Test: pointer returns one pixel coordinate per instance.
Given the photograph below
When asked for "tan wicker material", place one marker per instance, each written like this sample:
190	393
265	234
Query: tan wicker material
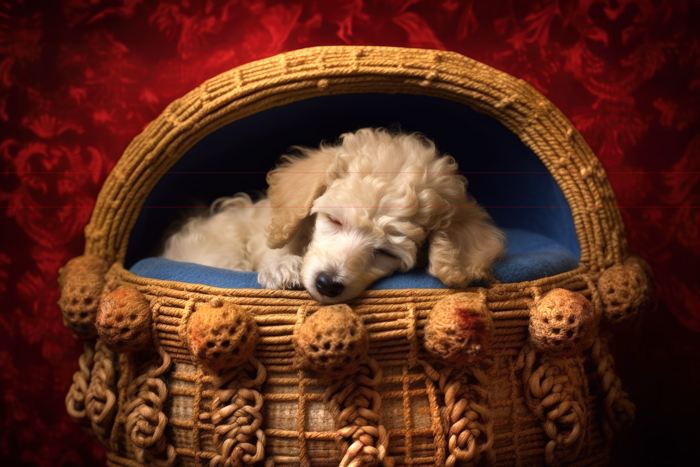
516	406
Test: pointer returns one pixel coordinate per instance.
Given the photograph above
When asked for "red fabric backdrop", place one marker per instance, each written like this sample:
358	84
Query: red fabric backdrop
80	78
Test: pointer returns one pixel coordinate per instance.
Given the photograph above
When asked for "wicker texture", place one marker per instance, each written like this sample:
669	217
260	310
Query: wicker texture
299	422
514	405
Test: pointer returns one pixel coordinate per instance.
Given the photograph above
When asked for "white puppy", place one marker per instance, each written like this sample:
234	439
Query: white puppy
340	217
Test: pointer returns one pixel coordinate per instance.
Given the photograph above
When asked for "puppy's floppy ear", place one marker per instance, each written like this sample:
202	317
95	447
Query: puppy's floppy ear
294	185
465	245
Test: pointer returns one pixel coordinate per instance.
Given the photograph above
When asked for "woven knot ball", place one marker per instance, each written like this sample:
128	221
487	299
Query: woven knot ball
124	320
639	262
221	334
459	329
625	292
80	297
333	341
563	322
82	265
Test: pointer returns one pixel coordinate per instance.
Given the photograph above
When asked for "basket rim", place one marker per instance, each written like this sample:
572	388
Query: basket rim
326	70
495	291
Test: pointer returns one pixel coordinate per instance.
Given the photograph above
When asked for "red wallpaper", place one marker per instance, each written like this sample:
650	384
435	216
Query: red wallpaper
80	78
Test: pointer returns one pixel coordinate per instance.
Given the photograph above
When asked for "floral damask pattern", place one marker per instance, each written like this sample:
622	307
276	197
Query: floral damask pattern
80	78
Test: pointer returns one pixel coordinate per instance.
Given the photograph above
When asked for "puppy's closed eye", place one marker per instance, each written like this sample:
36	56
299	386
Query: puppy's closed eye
334	221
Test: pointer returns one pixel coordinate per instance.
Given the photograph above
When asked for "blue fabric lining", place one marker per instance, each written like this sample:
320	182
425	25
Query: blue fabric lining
530	256
504	175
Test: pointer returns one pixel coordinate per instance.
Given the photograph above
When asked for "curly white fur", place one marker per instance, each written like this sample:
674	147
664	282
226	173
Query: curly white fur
340	217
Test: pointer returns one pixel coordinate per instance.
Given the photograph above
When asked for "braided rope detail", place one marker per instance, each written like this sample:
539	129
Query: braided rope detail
618	409
354	404
100	400
466	415
75	398
236	411
552	393
146	421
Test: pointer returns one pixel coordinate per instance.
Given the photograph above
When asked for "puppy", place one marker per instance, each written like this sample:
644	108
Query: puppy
340	217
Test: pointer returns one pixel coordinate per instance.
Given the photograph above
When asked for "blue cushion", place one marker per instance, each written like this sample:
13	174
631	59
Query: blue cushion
530	256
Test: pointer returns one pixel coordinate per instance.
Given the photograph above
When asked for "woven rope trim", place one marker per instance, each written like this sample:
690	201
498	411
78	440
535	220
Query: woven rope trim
77	393
236	413
553	392
146	422
618	410
466	415
100	400
354	404
397	315
319	71
394	321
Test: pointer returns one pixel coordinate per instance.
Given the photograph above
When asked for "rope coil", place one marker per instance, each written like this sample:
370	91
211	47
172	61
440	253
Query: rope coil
465	415
354	403
75	398
100	400
236	411
146	421
618	410
552	392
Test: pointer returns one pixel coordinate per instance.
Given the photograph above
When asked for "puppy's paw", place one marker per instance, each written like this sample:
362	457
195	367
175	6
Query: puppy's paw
477	273
461	278
283	273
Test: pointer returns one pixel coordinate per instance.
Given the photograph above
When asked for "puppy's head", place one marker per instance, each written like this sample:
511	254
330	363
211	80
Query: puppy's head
375	200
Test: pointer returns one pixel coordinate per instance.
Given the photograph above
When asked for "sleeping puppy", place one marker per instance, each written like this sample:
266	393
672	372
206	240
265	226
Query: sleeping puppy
340	217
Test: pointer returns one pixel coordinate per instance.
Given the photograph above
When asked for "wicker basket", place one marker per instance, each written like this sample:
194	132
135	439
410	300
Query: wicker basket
531	400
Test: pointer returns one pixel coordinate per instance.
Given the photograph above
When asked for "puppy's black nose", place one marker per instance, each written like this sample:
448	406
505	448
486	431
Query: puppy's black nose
328	286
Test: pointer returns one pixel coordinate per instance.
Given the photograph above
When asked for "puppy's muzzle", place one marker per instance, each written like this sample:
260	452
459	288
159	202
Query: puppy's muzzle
327	286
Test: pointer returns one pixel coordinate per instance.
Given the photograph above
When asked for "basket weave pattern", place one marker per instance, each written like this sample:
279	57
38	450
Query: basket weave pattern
519	406
410	398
